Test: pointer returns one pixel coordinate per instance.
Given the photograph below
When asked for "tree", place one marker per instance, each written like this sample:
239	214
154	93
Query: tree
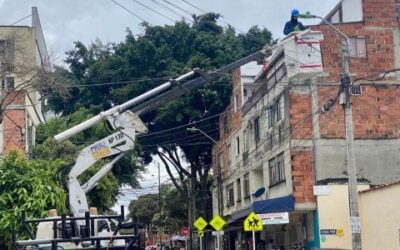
29	187
140	63
143	210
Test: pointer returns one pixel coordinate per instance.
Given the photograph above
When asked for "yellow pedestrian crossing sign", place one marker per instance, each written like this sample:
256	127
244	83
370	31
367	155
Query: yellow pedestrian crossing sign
253	223
217	222
200	223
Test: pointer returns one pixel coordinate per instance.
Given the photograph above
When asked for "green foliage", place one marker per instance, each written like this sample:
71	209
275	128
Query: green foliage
140	63
26	186
173	205
104	195
144	208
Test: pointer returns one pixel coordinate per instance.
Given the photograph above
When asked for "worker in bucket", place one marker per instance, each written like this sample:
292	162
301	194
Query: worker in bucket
293	24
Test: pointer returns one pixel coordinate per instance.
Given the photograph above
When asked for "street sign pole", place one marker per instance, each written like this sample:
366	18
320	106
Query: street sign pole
217	242
201	243
254	240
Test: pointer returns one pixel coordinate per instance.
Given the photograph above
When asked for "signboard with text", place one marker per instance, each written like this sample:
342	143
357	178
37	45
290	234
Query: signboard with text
274	218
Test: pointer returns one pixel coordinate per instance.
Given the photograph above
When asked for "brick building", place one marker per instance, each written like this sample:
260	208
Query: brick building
280	140
22	52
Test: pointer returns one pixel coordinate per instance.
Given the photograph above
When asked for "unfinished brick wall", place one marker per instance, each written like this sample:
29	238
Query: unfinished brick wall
234	120
14	121
300	115
380	20
331	124
302	162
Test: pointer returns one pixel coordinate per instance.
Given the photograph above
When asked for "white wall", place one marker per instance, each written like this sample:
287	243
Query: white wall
380	218
352	10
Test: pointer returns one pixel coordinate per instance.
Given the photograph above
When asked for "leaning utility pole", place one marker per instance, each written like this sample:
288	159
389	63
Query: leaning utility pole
345	101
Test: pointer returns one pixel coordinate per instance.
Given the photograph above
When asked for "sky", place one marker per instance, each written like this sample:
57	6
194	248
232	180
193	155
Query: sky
66	21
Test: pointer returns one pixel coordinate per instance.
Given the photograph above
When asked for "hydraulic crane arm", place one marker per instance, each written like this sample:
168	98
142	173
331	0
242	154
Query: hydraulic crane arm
127	125
193	84
160	95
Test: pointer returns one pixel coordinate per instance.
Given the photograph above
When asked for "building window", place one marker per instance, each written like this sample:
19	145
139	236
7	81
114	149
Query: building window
276	112
220	165
358	47
229	195
280	109
7	83
226	124
257	132
246	186
271	116
246	140
237	145
239	190
7	54
235	103
229	154
244	92
398	11
276	170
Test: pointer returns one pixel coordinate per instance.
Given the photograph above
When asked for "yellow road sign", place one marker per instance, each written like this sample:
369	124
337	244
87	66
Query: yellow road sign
253	223
217	222
200	234
200	223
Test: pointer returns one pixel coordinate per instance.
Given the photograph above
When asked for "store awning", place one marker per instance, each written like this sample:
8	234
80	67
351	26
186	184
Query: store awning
276	205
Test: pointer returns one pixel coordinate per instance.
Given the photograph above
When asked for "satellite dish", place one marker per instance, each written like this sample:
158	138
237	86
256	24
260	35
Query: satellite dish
259	192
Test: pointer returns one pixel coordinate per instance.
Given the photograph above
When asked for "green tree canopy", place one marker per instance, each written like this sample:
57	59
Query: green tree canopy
26	187
105	75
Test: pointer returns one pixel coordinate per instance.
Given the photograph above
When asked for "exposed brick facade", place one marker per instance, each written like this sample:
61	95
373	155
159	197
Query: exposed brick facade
234	122
300	116
376	112
14	122
302	161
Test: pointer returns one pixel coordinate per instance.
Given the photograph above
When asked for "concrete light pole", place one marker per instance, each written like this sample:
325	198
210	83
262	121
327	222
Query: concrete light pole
345	101
219	174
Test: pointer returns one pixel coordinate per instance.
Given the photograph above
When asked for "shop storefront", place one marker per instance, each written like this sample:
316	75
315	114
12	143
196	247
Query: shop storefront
283	227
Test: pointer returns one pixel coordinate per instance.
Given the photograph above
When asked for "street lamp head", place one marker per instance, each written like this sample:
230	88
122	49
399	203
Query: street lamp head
307	15
192	129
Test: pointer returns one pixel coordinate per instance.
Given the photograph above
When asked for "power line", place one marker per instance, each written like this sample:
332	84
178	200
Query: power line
178	7
123	7
226	23
171	10
155	11
20	20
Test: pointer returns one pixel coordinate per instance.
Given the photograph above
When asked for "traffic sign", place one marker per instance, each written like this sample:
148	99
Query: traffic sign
185	231
200	234
215	233
253	223
200	223
217	222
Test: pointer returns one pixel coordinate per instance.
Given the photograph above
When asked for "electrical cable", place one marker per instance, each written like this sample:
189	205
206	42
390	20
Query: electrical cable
155	11
171	10
123	7
179	8
20	20
205	12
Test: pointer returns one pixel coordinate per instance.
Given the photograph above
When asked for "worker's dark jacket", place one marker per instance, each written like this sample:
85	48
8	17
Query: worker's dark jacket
291	25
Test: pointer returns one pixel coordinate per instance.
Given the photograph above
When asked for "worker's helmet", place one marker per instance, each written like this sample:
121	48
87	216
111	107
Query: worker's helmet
295	12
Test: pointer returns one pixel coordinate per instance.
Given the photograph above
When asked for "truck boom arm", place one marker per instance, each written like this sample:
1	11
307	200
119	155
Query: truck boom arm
127	125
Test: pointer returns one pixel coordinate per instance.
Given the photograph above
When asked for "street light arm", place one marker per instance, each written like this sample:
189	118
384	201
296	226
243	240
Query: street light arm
204	133
309	16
